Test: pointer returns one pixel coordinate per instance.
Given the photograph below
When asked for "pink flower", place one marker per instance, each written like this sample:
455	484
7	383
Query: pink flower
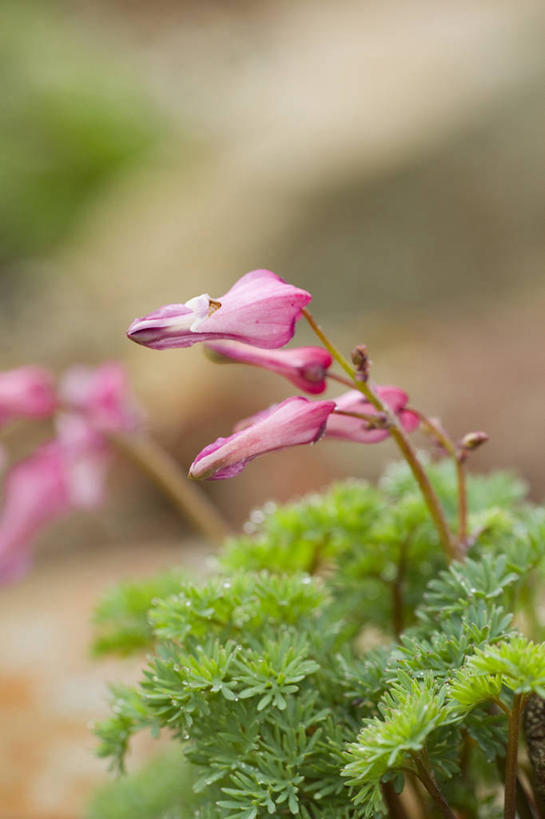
293	422
354	429
260	309
26	391
37	491
305	367
69	472
101	395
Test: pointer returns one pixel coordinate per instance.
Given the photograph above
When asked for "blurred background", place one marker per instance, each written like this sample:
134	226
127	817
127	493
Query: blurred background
386	156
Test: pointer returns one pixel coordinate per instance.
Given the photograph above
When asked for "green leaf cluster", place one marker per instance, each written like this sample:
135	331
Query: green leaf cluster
335	659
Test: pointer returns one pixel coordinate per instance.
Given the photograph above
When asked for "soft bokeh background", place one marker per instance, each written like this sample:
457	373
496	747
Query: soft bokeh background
387	156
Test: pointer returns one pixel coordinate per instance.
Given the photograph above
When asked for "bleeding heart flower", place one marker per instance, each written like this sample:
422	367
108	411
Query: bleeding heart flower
355	429
27	392
69	472
293	422
41	489
260	309
306	367
101	395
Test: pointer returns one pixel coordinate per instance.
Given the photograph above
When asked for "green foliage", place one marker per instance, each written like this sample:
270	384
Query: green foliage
409	712
272	680
517	664
129	715
161	790
121	616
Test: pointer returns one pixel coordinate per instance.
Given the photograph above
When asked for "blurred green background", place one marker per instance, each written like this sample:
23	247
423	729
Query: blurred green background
386	156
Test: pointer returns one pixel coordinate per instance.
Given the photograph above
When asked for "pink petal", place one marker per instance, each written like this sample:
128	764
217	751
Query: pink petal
306	367
26	391
260	309
294	422
102	395
35	493
354	429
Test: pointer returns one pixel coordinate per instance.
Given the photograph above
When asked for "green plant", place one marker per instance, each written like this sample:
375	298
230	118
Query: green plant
337	661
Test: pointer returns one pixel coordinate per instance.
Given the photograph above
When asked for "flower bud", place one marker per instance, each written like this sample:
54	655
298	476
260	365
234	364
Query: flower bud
306	367
473	440
294	422
361	362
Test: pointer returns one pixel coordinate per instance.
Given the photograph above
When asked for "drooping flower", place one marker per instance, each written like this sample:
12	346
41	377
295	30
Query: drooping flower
101	396
355	429
306	367
27	392
37	491
260	309
295	421
69	472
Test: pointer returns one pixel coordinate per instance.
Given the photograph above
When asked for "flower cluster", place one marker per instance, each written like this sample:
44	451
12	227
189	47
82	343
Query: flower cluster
69	470
249	325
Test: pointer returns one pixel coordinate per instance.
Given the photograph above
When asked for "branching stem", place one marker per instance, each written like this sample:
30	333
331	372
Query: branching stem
340	379
400	437
375	421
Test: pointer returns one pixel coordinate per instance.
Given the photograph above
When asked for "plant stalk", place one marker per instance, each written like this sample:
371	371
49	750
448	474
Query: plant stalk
462	500
436	430
396	809
375	421
428	780
511	758
188	499
398	434
340	379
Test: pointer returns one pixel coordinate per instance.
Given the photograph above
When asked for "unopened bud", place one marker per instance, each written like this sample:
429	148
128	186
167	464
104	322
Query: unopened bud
361	362
473	440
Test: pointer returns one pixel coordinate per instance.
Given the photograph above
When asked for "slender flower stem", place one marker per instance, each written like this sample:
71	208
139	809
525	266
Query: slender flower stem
428	780
436	430
436	511
165	472
340	379
398	434
462	500
511	757
375	421
337	355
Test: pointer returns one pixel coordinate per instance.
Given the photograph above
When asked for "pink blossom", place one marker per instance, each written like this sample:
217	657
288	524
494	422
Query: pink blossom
305	367
37	491
69	472
101	396
26	391
260	309
293	422
354	429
